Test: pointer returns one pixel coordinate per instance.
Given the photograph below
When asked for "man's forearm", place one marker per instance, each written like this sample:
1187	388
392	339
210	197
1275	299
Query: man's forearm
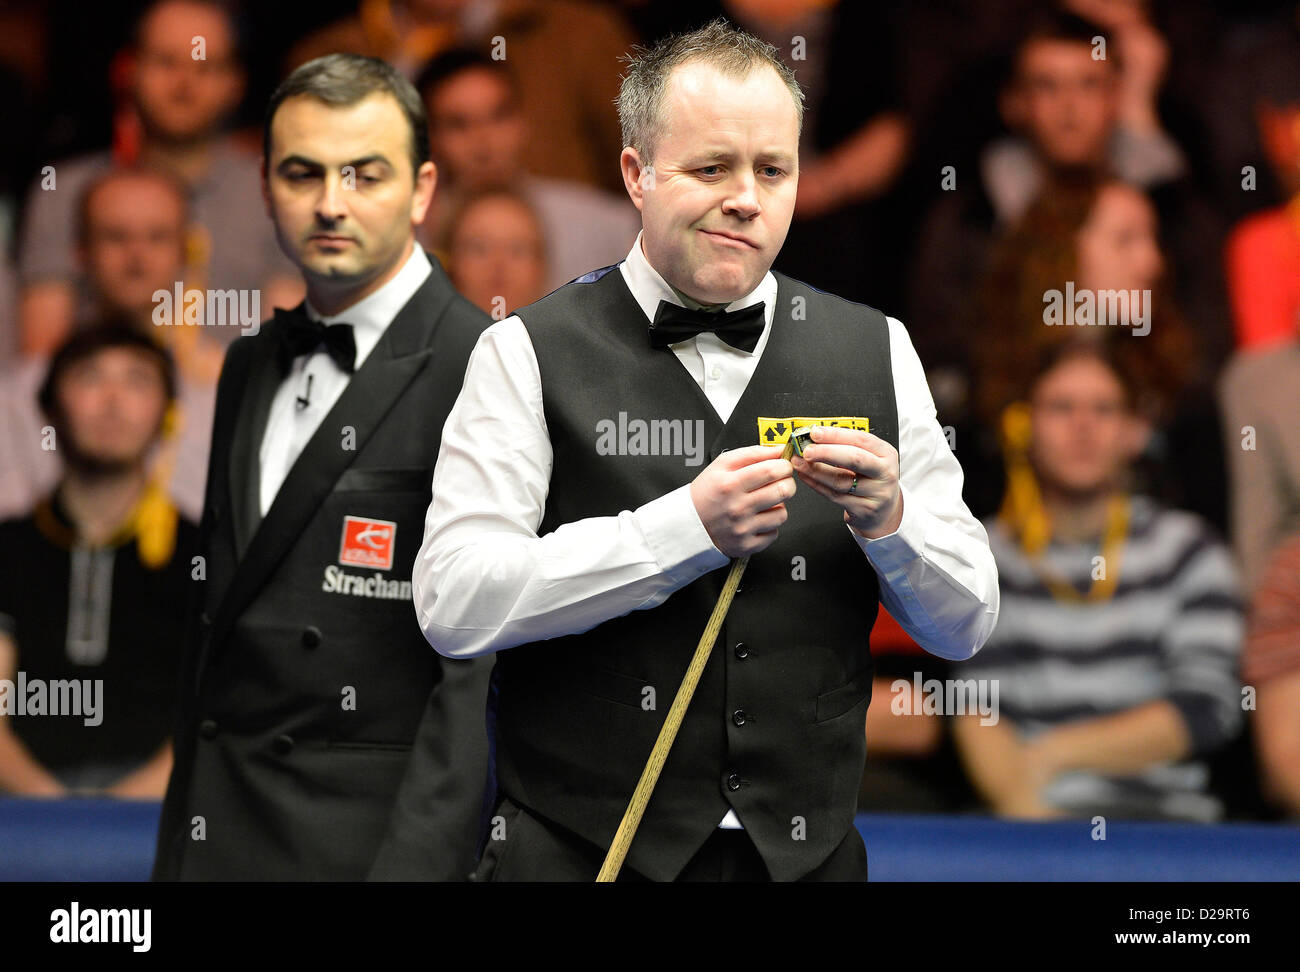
499	590
1277	739
20	773
869	160
991	755
1125	742
147	782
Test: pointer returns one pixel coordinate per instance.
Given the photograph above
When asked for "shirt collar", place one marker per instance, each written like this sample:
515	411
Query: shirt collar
371	316
53	520
649	287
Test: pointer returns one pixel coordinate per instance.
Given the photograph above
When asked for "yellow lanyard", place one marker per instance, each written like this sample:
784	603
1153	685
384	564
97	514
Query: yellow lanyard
152	522
1103	586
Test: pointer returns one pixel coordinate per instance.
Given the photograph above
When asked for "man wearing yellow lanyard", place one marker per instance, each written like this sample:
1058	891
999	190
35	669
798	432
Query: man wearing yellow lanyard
1115	654
94	583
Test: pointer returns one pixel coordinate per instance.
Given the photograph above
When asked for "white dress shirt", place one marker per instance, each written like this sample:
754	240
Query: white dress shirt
289	427
484	580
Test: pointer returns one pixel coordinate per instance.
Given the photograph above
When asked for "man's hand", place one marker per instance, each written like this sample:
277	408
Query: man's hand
858	472
1008	771
740	498
1036	768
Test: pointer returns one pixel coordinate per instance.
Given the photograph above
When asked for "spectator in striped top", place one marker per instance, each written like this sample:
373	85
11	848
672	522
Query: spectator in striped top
1122	621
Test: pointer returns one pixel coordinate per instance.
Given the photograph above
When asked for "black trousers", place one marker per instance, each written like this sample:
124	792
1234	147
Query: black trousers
534	849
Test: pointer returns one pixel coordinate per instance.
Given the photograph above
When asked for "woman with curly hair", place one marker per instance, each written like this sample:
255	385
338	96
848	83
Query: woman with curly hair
1085	265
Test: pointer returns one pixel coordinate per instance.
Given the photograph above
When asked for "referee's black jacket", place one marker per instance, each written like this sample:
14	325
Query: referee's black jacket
306	674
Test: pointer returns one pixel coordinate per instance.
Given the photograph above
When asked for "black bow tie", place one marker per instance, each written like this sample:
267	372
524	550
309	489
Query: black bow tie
299	334
739	328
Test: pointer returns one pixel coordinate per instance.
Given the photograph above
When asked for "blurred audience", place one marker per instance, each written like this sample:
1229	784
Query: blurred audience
1085	235
95	582
478	135
496	254
853	145
1071	113
911	764
564	55
131	233
1263	251
405	33
1260	397
1084	263
184	80
1117	645
1256	65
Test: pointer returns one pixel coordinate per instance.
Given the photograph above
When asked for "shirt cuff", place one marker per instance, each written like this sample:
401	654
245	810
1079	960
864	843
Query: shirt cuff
676	536
894	551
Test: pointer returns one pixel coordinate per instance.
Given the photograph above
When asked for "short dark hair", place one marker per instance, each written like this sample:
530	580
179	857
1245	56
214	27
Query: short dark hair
1051	24
224	7
1103	352
341	80
457	60
101	336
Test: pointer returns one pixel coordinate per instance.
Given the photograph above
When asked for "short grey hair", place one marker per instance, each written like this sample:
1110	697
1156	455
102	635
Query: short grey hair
733	52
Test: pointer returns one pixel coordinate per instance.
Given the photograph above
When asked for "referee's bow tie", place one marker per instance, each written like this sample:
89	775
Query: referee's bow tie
739	328
299	334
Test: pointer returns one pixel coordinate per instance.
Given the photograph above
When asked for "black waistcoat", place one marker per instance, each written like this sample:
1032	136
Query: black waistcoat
776	728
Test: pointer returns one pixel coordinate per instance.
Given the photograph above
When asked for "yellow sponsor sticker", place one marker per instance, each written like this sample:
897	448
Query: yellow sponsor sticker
775	431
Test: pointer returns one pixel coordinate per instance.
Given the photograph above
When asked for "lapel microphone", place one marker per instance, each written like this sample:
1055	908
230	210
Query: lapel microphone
305	398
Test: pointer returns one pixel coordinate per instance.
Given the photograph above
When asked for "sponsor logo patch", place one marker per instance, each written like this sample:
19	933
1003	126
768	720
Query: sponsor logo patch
367	542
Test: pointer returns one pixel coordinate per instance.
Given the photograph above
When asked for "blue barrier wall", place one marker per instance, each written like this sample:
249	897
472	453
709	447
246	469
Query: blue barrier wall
113	840
937	848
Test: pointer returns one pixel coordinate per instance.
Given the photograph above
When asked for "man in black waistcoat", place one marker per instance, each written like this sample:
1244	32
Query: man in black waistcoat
306	677
600	465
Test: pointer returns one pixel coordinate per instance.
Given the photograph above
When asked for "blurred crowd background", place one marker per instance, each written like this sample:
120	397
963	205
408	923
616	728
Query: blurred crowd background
1136	458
